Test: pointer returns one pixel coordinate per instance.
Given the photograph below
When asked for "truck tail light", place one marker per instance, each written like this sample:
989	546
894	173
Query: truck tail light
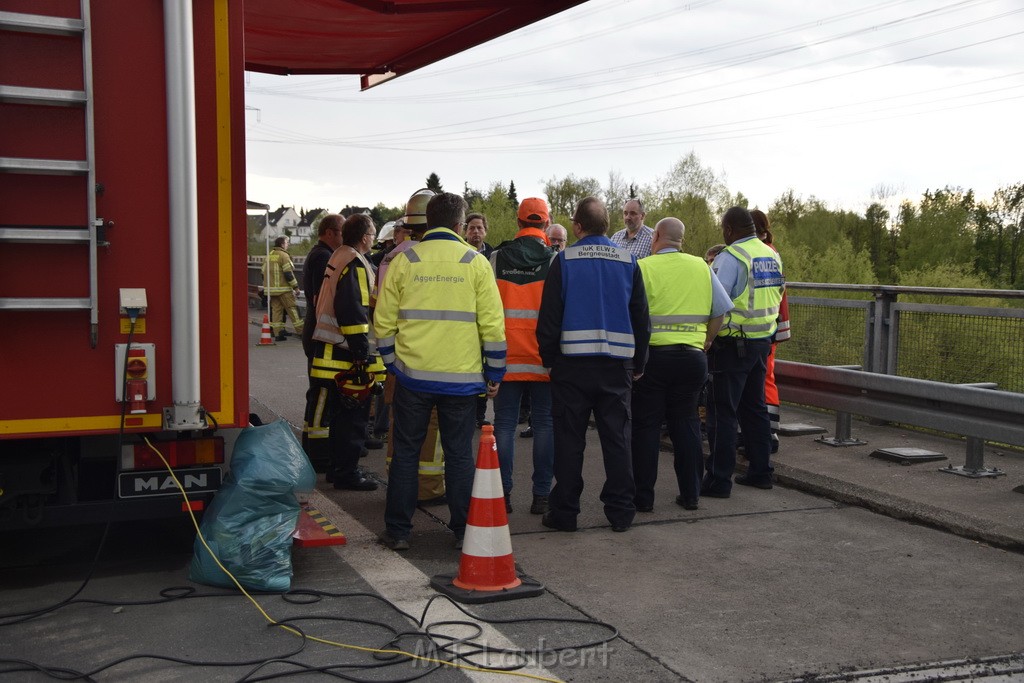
207	451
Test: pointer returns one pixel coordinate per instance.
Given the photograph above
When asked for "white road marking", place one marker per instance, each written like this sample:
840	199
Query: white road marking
397	580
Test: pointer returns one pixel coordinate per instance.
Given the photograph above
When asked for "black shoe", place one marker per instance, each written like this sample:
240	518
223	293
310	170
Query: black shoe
508	502
712	493
281	337
357	483
373	444
686	504
527	433
645	508
540	505
744	480
619	528
393	543
547	521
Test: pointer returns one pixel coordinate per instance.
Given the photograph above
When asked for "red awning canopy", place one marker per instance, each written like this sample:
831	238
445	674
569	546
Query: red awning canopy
375	37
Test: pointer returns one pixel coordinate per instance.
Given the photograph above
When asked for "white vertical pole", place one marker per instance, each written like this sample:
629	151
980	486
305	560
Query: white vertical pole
184	216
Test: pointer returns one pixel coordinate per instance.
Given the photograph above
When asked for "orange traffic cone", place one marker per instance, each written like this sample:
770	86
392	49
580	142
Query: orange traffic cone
265	335
487	571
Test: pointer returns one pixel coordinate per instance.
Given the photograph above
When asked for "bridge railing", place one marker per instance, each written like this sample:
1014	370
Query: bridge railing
937	336
934	362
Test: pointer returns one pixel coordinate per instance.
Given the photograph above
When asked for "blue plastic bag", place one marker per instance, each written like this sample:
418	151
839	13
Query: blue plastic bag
250	522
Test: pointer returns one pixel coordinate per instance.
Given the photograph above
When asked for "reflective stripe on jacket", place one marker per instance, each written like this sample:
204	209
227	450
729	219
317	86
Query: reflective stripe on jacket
333	320
594	269
757	306
679	295
342	334
520	267
438	320
279	273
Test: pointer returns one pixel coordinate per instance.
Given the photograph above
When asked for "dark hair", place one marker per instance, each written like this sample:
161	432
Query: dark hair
471	216
331	221
639	202
279	241
592	216
762	226
737	218
354	227
445	210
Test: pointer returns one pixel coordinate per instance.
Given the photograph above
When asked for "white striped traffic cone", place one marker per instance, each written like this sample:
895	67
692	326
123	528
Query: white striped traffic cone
265	335
487	570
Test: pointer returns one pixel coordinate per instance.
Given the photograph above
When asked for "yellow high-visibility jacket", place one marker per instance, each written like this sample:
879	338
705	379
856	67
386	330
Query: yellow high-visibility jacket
439	321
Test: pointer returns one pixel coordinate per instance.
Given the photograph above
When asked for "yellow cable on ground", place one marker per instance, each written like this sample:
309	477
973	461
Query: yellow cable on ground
272	621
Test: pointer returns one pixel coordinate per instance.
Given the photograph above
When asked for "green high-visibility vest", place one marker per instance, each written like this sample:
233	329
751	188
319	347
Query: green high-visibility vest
679	296
757	306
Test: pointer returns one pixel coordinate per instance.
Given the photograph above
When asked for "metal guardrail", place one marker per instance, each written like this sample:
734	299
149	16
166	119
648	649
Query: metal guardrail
866	325
980	414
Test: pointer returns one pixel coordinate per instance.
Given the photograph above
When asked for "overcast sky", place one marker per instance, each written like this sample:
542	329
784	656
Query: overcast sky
831	98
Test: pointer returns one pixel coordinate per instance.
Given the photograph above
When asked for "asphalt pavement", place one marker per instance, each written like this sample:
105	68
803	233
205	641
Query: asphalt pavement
851	568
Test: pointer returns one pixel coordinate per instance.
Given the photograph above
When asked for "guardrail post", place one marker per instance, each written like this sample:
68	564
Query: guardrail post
974	466
843	435
881	343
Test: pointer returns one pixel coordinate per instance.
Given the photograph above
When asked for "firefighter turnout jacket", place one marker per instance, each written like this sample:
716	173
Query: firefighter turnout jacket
342	333
279	273
520	267
438	320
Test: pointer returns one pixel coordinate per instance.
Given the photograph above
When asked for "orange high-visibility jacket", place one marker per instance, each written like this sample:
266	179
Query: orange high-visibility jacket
520	267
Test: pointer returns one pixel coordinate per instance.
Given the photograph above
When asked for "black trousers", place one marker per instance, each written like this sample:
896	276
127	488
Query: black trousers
580	387
346	431
737	397
669	390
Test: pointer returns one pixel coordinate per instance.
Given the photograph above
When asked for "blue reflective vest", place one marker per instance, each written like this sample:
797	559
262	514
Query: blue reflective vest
597	282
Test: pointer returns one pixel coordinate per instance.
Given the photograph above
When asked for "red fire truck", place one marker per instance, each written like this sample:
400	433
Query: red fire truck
123	299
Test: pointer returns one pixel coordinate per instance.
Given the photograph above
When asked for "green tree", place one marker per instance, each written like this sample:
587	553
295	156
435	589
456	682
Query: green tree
565	193
383	213
616	192
434	183
513	198
703	228
471	194
501	217
1008	214
690	176
940	231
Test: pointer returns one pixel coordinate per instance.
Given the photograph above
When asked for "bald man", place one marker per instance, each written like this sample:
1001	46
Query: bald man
687	305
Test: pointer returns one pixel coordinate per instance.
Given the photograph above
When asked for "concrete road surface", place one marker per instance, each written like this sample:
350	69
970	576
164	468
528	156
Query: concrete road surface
767	585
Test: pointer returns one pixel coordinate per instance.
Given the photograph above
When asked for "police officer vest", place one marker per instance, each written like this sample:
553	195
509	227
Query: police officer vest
597	281
679	295
757	306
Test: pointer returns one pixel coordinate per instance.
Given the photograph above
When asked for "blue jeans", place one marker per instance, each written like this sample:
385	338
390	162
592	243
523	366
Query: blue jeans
506	422
456	416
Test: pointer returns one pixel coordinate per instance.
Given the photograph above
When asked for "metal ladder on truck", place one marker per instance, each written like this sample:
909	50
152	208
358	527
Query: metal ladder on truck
86	235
